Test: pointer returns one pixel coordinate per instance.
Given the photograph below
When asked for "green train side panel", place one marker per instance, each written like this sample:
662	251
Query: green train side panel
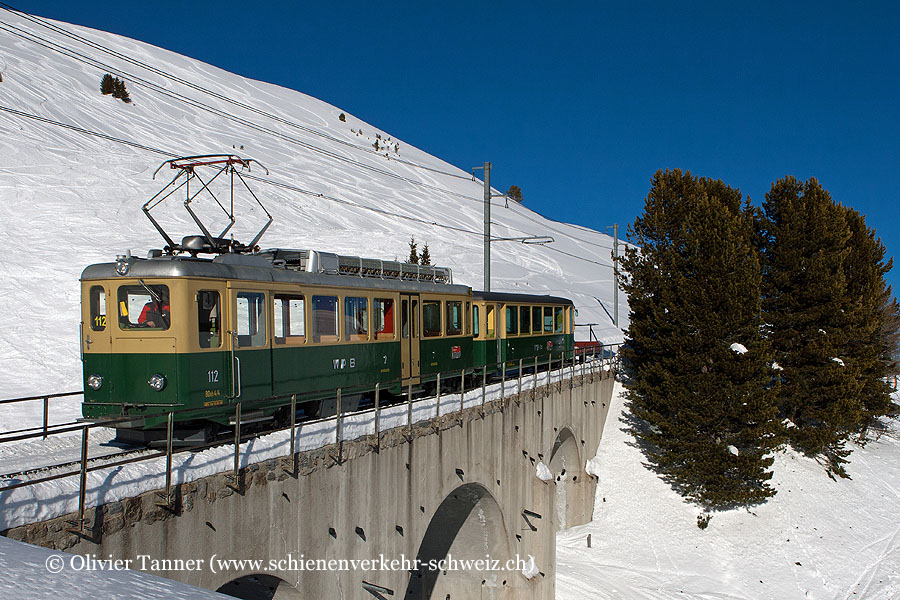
484	353
326	368
445	355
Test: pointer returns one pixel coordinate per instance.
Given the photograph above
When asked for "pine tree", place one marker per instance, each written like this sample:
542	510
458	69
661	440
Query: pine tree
703	407
515	192
805	296
425	257
868	294
413	253
106	85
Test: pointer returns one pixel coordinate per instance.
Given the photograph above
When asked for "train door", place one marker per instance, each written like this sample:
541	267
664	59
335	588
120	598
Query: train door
251	351
96	340
409	338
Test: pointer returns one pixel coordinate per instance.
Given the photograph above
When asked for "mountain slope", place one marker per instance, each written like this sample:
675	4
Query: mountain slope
69	197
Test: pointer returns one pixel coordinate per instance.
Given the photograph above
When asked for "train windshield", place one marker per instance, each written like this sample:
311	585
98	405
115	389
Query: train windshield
144	307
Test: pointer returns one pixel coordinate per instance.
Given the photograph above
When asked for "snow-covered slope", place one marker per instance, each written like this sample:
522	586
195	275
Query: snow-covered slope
817	538
69	199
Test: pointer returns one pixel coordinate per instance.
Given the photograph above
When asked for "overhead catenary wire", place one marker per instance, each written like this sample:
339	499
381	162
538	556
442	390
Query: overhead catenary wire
137	62
275	183
34	38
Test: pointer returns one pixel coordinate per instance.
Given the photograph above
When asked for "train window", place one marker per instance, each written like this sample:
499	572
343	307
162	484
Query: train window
383	311
536	312
144	306
475	321
548	319
512	320
98	308
289	313
356	318
454	317
431	318
412	317
325	318
468	318
404	314
524	319
490	321
251	319
209	327
558	314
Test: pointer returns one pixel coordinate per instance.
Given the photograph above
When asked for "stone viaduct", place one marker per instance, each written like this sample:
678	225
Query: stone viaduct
464	488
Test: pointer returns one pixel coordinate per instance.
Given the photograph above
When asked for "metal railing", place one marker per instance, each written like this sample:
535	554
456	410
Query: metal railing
534	375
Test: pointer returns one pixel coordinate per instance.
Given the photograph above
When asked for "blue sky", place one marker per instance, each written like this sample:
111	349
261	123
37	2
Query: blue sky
579	103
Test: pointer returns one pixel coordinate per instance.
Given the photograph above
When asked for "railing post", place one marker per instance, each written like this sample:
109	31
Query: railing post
483	385
535	378
462	392
519	394
437	410
377	416
503	380
409	408
46	414
237	441
294	430
82	486
170	427
337	423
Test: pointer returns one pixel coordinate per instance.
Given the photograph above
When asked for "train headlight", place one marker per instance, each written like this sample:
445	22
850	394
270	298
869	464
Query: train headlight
95	382
157	382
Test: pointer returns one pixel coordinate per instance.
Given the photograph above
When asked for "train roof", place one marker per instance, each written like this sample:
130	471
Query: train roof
269	266
522	298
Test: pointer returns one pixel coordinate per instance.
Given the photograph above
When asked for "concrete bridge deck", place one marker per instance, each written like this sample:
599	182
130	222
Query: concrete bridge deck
453	509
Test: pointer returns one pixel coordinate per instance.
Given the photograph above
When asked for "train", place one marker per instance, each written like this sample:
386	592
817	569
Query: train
202	325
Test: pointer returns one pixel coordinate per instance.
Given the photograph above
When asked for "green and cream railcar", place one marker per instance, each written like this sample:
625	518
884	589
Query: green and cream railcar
513	327
171	333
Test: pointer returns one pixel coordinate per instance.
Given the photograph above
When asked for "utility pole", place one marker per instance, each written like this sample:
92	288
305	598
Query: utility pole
615	256
487	226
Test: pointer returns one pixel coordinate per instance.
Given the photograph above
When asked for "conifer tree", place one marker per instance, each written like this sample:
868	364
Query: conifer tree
106	85
867	295
413	252
806	257
425	257
697	365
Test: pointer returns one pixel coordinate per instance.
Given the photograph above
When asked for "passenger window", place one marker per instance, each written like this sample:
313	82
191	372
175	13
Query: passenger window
251	319
548	319
454	317
384	318
289	314
98	308
512	320
489	324
325	318
209	328
475	320
524	319
536	319
558	314
145	307
431	318
356	319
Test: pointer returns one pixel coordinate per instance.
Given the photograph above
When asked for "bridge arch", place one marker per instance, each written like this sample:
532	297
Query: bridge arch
467	526
260	587
565	464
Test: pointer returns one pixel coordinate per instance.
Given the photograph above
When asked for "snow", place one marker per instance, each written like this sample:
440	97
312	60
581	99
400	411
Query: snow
35	578
739	348
543	472
838	361
68	199
530	570
817	538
